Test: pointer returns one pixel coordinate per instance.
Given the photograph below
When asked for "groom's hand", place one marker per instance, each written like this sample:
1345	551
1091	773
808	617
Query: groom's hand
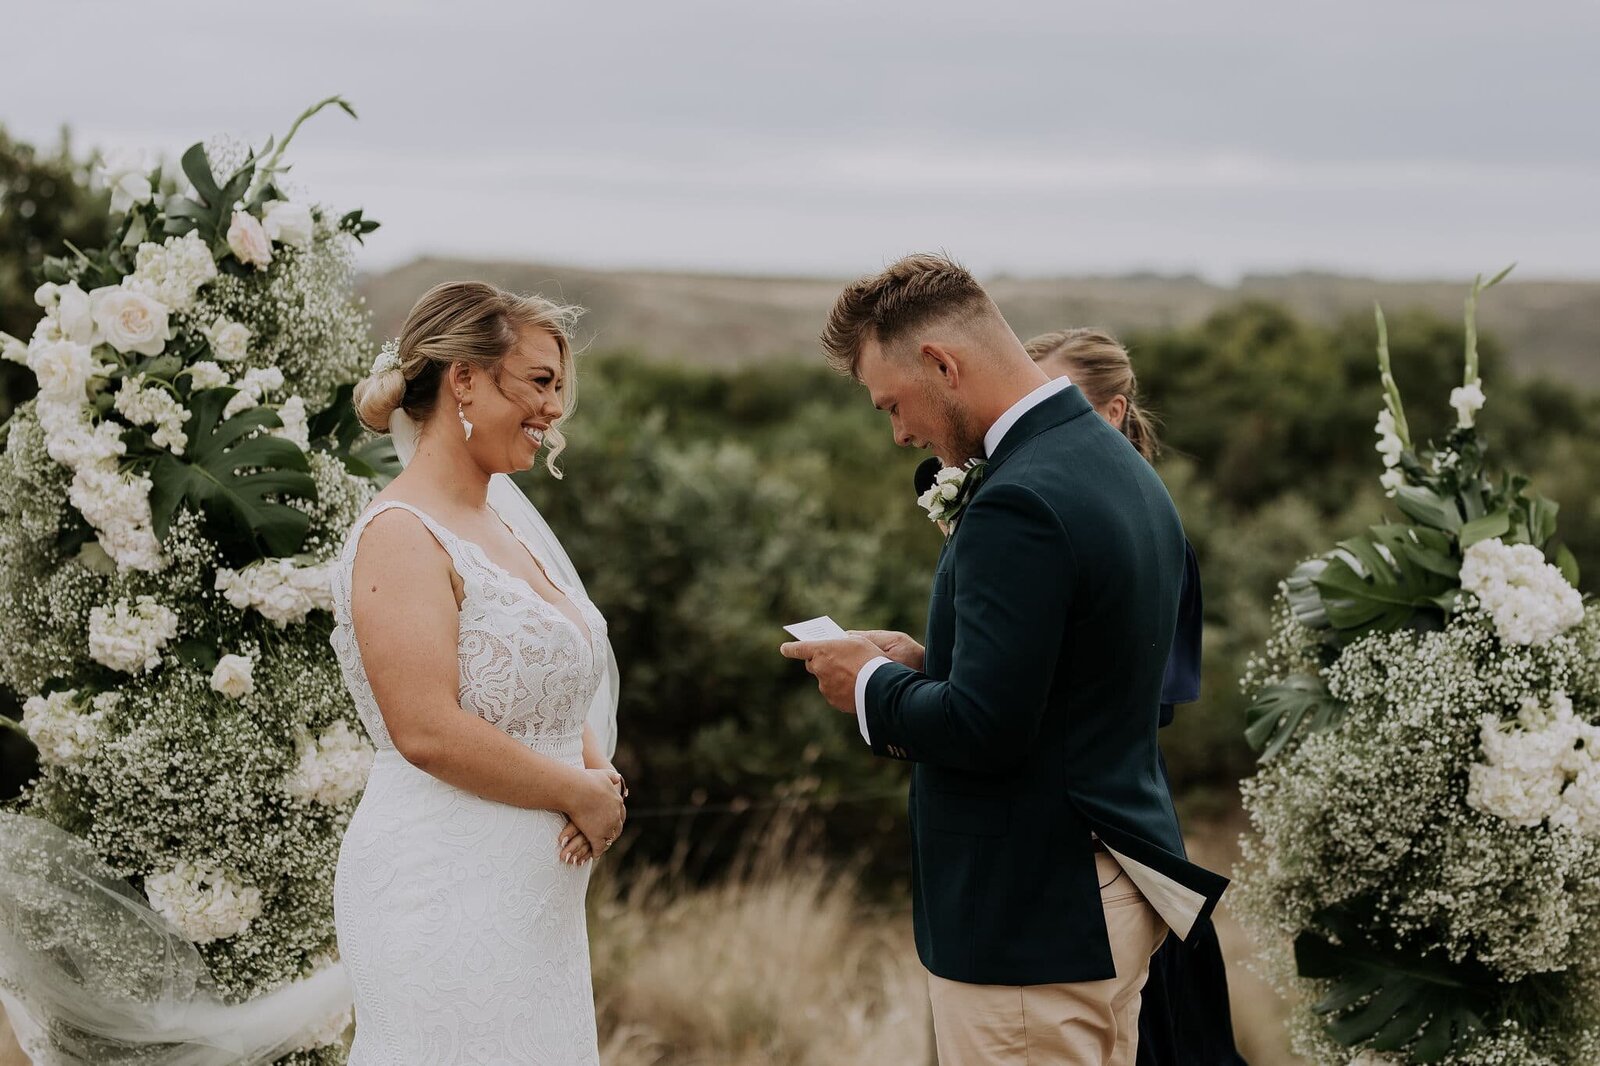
835	664
897	646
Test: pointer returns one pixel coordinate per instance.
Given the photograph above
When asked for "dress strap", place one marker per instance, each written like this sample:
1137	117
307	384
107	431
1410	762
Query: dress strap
452	544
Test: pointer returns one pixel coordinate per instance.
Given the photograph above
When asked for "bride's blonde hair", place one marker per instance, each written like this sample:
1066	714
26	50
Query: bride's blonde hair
466	322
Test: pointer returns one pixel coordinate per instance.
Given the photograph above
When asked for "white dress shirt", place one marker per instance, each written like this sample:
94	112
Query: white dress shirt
991	441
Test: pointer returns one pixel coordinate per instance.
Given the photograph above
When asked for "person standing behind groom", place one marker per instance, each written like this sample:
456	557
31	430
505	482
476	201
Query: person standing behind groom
1184	1017
1047	865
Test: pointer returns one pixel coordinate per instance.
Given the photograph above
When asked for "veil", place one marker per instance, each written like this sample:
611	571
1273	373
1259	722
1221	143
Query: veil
518	512
90	975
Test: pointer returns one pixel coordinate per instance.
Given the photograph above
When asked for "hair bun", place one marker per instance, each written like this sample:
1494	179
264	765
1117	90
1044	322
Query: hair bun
377	396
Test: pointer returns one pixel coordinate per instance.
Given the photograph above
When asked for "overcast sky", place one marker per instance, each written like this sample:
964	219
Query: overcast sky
1395	137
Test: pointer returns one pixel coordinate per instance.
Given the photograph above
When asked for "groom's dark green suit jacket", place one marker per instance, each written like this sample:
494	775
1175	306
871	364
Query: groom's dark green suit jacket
1033	723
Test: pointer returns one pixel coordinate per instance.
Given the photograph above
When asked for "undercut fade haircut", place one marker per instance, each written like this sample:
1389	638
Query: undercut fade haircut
907	295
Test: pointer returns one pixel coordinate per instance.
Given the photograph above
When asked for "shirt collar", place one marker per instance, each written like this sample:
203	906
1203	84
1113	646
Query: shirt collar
1003	424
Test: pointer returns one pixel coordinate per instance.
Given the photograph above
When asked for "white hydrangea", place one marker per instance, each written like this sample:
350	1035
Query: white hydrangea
114	502
201	903
278	589
77	442
234	676
60	726
296	424
204	374
330	768
130	637
154	406
1528	598
173	272
117	505
1542	766
1468	400
253	389
230	341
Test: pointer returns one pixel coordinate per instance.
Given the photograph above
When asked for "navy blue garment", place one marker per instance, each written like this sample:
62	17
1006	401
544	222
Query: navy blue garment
1184	1017
1033	724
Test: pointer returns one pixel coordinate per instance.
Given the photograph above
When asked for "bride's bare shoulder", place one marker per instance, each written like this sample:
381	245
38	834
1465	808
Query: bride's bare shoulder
397	535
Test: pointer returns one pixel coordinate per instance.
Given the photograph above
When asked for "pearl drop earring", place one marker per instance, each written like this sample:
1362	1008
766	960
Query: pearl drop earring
462	414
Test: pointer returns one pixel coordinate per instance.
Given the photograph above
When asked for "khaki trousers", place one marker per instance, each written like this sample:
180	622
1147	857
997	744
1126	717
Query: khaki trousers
1082	1023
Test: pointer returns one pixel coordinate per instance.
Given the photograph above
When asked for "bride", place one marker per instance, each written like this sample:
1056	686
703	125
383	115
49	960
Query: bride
484	676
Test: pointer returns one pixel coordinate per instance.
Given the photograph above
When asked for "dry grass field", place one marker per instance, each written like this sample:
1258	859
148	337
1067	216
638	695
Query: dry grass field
1549	327
781	964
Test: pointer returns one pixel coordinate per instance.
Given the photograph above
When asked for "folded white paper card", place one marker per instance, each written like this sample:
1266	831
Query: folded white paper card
823	628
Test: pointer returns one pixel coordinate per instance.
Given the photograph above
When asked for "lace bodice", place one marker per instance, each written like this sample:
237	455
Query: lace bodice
525	666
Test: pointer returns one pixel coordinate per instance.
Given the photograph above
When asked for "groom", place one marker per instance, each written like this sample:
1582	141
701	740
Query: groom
1047	865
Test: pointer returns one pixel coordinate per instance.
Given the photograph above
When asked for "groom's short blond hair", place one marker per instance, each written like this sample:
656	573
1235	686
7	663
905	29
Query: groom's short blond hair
909	294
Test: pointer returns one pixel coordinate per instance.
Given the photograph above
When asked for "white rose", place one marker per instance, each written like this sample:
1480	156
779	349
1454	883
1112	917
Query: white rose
63	369
287	222
207	375
248	241
75	315
230	341
128	178
234	676
130	321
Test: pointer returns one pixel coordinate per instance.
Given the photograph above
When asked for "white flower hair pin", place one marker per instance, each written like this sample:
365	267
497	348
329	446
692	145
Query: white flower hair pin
388	358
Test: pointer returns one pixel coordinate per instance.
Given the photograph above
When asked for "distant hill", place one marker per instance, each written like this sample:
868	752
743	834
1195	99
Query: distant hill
1550	328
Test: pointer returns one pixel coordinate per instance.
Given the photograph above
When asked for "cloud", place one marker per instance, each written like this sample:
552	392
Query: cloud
1232	136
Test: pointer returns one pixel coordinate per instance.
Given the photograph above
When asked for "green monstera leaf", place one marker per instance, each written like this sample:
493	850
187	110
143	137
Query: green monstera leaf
1280	710
1388	999
336	430
1392	576
228	471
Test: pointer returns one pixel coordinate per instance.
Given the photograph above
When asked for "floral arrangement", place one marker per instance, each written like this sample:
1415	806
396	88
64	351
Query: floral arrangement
951	491
170	503
1424	863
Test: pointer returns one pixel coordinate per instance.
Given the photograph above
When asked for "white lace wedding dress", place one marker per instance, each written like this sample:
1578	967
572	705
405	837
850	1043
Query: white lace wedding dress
463	934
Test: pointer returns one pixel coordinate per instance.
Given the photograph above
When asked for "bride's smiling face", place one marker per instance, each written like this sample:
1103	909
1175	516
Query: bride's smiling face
512	409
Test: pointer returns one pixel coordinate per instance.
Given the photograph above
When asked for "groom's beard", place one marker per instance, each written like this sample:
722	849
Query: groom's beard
962	437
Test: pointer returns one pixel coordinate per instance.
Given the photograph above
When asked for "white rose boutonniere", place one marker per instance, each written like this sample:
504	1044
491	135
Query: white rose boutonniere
951	492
